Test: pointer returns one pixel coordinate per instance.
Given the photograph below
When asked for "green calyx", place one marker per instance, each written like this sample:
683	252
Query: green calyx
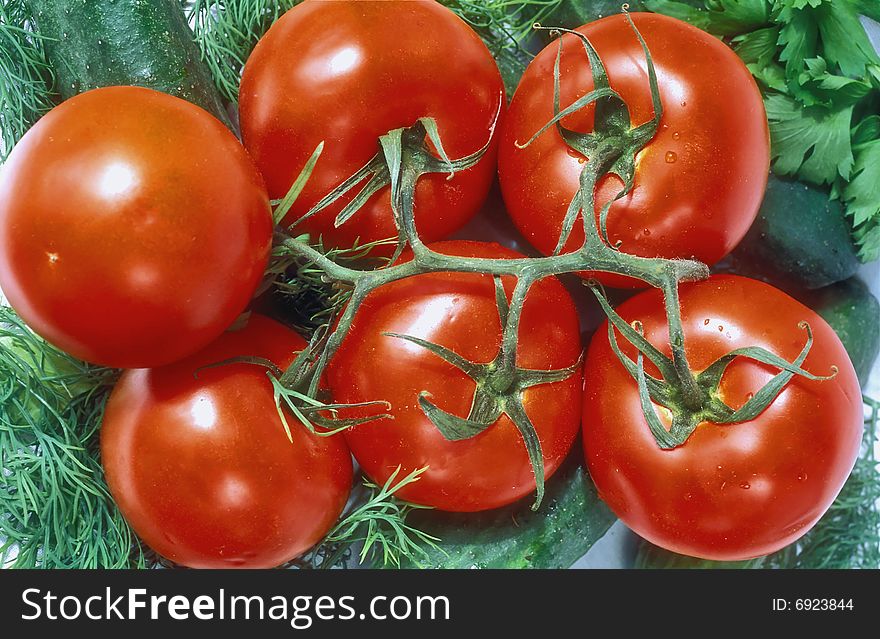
289	390
614	142
403	157
500	386
667	389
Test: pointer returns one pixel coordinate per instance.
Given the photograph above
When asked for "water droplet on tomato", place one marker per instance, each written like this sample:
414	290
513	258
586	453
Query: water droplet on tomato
706	323
671	157
745	486
684	103
720	328
802	476
646	232
749	396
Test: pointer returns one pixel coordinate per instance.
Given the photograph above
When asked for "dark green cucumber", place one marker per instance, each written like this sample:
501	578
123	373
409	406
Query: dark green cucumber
570	521
801	239
98	43
854	314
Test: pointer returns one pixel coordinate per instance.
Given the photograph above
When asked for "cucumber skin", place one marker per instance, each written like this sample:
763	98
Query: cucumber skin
800	239
148	43
570	520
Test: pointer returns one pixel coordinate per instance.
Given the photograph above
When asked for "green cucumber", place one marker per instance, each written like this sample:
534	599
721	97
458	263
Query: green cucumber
854	314
146	43
571	519
800	239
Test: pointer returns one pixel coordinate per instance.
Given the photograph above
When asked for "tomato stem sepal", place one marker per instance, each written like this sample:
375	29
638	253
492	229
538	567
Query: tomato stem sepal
614	142
289	390
668	391
500	388
403	157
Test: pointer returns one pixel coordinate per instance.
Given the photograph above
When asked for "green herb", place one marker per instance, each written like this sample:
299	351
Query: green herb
376	524
506	27
25	77
820	77
55	510
226	32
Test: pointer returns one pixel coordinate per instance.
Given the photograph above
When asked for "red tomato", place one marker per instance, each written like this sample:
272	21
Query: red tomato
698	182
733	491
347	72
457	311
202	468
133	227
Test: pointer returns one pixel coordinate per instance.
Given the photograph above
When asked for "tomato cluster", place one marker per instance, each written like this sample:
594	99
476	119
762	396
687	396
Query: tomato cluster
134	229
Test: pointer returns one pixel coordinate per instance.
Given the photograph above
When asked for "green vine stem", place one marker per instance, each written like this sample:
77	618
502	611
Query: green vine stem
403	156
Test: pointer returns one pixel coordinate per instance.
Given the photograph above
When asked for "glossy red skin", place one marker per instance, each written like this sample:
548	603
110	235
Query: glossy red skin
730	492
698	206
457	311
202	468
347	72
134	228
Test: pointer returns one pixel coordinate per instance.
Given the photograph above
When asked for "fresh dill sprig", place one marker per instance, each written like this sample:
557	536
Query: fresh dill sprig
26	78
506	26
510	21
376	524
226	32
55	509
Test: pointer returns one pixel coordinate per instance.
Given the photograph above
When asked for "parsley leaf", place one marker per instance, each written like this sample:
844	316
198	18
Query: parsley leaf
758	50
812	142
828	89
862	194
845	43
721	17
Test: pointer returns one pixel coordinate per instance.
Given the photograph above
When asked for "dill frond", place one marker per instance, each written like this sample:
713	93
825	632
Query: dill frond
26	80
55	509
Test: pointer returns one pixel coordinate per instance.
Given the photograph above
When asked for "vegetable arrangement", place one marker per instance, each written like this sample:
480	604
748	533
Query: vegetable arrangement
452	371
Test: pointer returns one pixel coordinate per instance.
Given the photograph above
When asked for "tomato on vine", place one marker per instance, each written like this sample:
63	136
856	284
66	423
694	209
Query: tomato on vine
457	311
348	72
696	185
198	461
134	228
735	490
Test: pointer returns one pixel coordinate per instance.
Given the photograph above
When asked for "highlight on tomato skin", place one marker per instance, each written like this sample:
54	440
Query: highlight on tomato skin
735	491
698	183
134	228
198	461
348	72
458	311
